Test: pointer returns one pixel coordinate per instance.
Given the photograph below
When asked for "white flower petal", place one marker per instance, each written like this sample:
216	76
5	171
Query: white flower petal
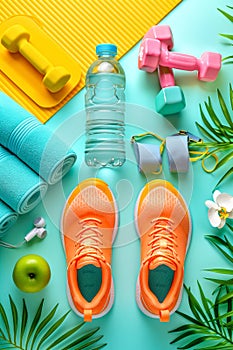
230	215
222	223
214	218
211	204
225	200
216	194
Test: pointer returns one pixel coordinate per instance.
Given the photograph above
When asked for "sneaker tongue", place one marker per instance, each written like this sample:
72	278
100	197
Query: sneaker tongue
87	260
157	262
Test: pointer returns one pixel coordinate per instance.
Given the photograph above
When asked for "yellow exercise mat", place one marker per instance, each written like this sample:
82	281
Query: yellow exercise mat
78	26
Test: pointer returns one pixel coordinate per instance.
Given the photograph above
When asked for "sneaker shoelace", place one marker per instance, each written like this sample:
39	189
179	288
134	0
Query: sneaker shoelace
163	241
89	240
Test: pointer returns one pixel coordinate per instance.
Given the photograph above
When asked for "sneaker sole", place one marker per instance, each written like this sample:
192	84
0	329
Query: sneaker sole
138	289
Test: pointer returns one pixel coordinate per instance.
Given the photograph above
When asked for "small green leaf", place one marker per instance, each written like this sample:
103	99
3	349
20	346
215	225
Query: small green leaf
226	14
228	173
99	347
221	271
187	334
205	133
224	108
52	329
225	298
220	345
231	95
196	307
82	338
34	323
5	321
220	281
224	160
199	341
66	335
217	313
217	245
214	116
14	317
228	36
90	342
229	317
189	318
42	324
206	306
216	240
209	126
23	322
229	226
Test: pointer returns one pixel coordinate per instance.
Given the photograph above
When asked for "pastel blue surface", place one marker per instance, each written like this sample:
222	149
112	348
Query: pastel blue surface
196	25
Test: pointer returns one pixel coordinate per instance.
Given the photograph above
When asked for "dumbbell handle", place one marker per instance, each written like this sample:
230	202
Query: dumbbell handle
178	60
32	55
166	77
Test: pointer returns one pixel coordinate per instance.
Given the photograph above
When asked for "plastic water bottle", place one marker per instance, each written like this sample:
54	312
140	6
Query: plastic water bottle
105	108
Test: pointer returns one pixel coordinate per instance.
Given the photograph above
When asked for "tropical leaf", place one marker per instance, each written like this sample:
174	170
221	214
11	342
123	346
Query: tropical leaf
227	36
223	246
210	327
228	173
207	328
41	333
226	14
217	128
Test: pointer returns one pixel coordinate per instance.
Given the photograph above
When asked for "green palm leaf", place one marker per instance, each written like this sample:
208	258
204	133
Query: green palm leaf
226	14
228	173
23	322
16	328
208	328
218	128
224	108
15	317
219	243
66	335
227	36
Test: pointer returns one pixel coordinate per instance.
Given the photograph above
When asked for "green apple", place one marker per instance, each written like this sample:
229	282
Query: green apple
31	273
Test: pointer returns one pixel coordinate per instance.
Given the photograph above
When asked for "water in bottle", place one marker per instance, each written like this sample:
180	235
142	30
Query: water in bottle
105	109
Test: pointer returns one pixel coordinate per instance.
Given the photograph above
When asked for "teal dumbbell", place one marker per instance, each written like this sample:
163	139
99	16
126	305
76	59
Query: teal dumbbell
170	99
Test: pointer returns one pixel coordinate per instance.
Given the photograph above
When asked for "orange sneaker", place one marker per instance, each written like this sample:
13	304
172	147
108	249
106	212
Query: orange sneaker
164	226
89	225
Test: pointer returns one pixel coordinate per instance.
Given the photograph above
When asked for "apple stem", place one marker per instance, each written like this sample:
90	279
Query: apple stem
31	275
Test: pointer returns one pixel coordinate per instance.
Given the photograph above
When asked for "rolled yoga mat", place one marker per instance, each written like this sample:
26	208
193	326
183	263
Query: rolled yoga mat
20	188
34	143
7	218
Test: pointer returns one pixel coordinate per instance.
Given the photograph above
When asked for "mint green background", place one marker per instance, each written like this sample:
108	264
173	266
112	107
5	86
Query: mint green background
196	25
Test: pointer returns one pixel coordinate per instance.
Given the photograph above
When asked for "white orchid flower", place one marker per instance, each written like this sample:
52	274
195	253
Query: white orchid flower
220	209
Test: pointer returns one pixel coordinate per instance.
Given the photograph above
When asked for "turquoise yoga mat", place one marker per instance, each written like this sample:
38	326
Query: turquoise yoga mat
7	218
20	188
33	142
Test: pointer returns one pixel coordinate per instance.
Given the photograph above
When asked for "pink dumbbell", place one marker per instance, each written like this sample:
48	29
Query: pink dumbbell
154	51
170	99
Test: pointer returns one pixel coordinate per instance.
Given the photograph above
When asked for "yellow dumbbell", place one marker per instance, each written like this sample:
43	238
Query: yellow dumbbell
16	39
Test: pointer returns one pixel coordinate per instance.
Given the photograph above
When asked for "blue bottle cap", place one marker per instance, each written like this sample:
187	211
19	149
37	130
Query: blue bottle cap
101	48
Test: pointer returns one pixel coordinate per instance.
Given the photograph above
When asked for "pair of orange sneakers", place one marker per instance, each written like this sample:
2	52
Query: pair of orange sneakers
89	226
